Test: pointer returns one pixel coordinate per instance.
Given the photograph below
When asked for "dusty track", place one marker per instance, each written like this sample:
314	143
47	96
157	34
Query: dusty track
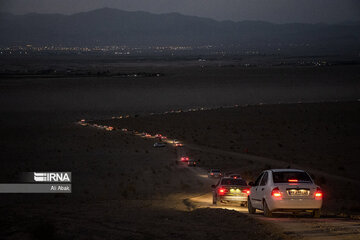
295	226
301	226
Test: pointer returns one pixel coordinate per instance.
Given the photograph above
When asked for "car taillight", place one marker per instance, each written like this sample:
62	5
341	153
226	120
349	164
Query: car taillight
247	191
222	191
212	173
293	180
276	193
318	194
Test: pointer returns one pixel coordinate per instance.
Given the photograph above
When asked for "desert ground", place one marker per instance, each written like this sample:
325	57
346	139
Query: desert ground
123	188
322	138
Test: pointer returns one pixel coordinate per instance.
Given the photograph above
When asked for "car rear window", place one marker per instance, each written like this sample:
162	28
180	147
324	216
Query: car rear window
240	182
285	177
215	170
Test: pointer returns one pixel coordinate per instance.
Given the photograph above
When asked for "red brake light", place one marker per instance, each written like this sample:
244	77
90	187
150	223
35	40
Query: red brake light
293	180
247	191
235	177
212	173
318	193
222	191
276	193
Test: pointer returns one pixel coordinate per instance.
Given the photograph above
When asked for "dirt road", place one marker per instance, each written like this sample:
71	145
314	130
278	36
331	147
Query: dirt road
302	226
295	226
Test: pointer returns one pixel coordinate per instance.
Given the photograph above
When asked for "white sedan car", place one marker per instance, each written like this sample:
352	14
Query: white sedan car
289	190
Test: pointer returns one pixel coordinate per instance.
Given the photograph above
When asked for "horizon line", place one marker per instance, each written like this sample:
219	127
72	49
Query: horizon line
178	13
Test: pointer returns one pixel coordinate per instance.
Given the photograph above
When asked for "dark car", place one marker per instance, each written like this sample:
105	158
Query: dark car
231	190
192	163
215	173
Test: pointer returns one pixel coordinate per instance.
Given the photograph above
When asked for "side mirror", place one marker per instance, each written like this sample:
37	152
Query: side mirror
213	186
251	184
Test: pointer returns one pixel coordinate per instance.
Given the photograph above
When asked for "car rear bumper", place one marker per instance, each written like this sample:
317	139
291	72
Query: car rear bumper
293	204
233	198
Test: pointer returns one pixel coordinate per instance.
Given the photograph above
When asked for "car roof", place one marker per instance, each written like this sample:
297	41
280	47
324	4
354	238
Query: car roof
286	170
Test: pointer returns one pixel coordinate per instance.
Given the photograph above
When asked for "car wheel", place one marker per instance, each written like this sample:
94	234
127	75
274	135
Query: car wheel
267	212
214	199
250	207
316	213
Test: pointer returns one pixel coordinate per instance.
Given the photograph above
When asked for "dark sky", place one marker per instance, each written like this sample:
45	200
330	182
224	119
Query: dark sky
279	11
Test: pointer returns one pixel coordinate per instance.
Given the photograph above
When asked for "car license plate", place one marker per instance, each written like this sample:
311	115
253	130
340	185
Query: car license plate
234	191
298	192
